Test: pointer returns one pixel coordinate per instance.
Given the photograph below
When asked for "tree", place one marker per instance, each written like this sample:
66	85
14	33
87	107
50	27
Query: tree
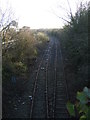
7	21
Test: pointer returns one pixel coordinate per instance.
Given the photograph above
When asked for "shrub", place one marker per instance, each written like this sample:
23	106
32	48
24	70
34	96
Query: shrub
82	105
22	53
42	37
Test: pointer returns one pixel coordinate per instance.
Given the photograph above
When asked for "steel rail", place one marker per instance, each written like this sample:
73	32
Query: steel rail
65	83
47	104
35	83
64	74
55	82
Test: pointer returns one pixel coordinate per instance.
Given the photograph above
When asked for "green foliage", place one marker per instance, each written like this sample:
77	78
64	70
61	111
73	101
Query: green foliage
82	105
81	96
20	67
74	44
12	67
87	92
70	108
42	37
15	57
18	56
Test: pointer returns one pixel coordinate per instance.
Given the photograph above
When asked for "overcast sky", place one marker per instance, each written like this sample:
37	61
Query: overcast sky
41	13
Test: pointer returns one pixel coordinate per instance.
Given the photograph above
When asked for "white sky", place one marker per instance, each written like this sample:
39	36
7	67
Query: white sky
39	13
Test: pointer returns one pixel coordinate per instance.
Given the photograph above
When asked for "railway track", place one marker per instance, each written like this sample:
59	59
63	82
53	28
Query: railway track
50	92
51	80
61	93
47	91
38	104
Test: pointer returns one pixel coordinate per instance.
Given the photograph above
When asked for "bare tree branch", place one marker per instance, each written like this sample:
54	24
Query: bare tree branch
61	18
63	8
6	15
70	9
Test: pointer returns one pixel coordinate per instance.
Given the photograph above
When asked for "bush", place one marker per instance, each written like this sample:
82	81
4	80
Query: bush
41	37
82	106
22	53
74	38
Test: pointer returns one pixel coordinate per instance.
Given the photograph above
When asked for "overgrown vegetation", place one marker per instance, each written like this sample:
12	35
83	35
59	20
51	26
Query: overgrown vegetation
81	108
74	44
20	50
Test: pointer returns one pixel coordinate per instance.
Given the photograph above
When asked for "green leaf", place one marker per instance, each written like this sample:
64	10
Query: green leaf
70	108
78	107
82	97
83	109
87	91
88	113
83	117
